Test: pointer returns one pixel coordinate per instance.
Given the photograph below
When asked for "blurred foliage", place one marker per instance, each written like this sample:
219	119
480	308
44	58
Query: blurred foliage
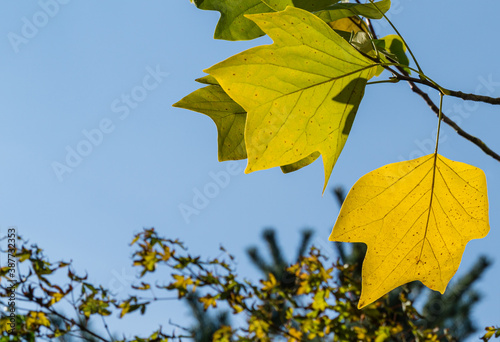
312	299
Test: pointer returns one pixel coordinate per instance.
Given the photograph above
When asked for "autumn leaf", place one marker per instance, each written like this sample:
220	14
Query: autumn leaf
208	300
294	335
346	27
232	24
301	94
320	300
229	117
269	284
224	334
344	18
301	163
392	46
416	218
37	318
345	10
259	327
308	5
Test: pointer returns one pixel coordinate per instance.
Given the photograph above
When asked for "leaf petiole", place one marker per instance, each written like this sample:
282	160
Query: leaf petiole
441	94
390	80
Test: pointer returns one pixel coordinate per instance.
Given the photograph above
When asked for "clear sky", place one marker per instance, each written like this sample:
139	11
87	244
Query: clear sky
101	77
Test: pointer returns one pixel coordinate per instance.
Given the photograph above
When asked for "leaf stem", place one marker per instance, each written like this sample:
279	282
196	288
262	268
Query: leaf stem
391	80
440	117
433	184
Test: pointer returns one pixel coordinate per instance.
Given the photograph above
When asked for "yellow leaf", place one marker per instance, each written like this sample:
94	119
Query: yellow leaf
416	218
37	319
294	335
301	94
258	326
125	306
56	296
208	301
351	24
5	324
320	300
228	116
181	282
269	284
224	334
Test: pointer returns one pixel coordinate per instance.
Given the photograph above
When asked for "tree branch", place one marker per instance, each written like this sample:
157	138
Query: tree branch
452	123
413	86
459	94
474	97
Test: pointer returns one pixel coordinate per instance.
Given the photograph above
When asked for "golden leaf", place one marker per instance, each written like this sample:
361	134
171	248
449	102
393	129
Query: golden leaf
416	218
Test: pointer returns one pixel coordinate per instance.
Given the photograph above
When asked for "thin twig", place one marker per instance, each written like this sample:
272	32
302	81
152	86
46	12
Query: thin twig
411	81
107	329
82	328
413	86
453	124
415	80
459	94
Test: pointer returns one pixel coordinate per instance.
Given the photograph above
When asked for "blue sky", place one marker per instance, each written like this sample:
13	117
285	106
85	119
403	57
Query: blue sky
101	77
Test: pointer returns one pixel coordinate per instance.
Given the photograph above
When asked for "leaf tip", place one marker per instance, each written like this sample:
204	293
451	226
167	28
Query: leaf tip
248	170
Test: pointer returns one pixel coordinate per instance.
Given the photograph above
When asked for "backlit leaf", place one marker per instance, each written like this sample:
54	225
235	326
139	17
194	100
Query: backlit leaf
393	46
301	163
301	93
229	117
416	218
349	25
37	318
207	79
344	10
308	5
232	24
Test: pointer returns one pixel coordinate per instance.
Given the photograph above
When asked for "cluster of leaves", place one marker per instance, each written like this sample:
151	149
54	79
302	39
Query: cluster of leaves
288	103
272	104
314	299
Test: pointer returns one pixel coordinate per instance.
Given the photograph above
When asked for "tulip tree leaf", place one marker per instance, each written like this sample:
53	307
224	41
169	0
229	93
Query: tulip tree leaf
416	218
228	116
393	46
232	24
344	10
301	163
349	25
308	5
301	93
363	42
207	79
